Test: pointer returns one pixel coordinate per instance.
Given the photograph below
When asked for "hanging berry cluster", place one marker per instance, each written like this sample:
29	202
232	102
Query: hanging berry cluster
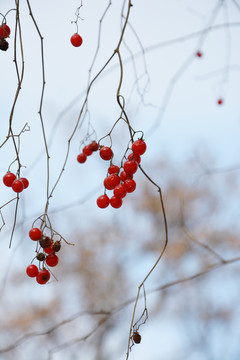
46	255
120	179
4	33
18	185
87	151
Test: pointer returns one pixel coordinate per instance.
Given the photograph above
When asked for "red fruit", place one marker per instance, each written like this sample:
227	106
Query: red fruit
120	191
32	270
8	179
134	157
124	176
116	202
76	40
94	146
48	250
35	234
113	169
198	54
25	182
106	153
139	147
4	31
130	185
81	158
220	101
87	150
43	276
130	167
103	201
52	260
17	186
112	181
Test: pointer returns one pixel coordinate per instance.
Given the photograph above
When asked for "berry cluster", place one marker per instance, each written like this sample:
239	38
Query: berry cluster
4	33
120	181
18	185
45	255
76	40
87	151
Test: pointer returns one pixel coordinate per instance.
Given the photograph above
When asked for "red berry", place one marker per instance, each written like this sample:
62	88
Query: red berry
130	185
4	31
103	201
220	101
199	54
52	260
116	202
139	147
130	167
81	158
113	169
25	182
43	276
17	186
32	270
120	191
111	181
87	150
134	157
94	146
8	179
106	153
48	250
124	176
35	234
76	40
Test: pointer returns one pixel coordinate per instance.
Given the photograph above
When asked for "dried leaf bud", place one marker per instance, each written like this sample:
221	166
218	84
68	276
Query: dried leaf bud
45	242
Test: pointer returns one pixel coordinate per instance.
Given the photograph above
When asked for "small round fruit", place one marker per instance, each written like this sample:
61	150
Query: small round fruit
56	246
45	242
3	44
199	54
48	250
52	260
81	158
139	147
220	101
43	276
9	178
87	150
120	191
106	153
130	185
94	146
136	337
76	40
112	181
35	234
130	167
134	157
113	169
124	176
25	182
116	202
40	257
17	186
32	270
103	201
4	31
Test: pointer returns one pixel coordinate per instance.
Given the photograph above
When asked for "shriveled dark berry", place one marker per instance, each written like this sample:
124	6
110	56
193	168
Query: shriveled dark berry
56	246
3	44
41	257
45	242
136	337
